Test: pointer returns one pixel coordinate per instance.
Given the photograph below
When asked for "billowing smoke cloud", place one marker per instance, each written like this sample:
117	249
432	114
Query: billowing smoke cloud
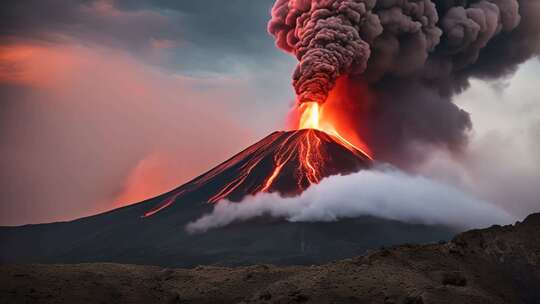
325	37
385	192
414	54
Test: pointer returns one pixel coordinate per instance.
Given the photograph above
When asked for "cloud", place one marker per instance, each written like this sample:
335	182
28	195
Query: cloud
78	120
91	21
384	192
198	36
151	177
501	163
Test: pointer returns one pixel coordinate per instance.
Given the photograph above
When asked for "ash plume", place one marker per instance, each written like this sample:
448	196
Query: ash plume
414	55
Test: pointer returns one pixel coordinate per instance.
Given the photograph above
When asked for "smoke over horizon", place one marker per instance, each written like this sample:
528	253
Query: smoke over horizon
383	192
413	56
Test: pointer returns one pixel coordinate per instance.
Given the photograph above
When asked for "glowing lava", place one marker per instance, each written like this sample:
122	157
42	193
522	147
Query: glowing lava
309	119
312	117
287	162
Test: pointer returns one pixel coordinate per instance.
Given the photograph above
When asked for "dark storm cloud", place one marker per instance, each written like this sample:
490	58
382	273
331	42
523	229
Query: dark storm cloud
200	34
90	21
237	25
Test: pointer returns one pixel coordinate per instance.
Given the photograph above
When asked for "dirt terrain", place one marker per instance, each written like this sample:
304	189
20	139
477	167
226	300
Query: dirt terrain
494	265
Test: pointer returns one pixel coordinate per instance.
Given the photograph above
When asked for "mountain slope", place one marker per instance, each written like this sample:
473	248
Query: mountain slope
284	162
153	231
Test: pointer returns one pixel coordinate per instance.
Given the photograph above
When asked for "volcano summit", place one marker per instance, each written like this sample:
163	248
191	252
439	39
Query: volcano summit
284	162
153	231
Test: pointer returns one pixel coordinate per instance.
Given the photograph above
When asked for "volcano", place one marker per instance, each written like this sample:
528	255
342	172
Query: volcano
153	231
284	162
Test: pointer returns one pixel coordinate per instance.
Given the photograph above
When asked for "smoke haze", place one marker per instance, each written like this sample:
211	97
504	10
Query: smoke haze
100	121
385	192
106	103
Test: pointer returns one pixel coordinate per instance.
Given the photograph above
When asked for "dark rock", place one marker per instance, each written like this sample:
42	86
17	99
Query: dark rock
454	278
413	300
498	265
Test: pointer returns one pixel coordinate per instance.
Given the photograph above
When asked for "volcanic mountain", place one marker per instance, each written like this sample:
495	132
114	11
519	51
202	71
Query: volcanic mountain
153	231
284	162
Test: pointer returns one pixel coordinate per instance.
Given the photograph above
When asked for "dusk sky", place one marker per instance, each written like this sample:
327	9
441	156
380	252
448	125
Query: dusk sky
106	103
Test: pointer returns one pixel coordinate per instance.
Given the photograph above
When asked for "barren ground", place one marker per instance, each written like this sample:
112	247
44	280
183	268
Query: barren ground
494	265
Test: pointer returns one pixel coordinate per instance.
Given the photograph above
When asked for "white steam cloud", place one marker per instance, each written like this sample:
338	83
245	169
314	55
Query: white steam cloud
384	192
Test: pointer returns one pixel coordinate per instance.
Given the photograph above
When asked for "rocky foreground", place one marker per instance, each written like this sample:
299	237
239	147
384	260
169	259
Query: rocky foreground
494	265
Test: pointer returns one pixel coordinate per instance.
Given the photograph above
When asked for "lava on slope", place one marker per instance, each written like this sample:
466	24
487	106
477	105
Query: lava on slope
287	162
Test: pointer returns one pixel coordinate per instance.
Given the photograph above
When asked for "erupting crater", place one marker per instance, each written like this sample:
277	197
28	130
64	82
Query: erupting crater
287	162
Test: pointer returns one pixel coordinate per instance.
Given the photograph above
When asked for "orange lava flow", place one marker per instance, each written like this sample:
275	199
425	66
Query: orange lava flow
275	173
230	187
312	116
310	158
280	159
304	155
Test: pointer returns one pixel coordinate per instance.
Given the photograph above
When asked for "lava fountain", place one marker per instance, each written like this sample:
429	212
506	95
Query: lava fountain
311	115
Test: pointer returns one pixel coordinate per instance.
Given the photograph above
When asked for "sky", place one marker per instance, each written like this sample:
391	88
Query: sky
106	103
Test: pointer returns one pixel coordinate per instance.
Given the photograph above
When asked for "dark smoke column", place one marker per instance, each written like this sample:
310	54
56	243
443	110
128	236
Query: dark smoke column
334	37
325	37
414	55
